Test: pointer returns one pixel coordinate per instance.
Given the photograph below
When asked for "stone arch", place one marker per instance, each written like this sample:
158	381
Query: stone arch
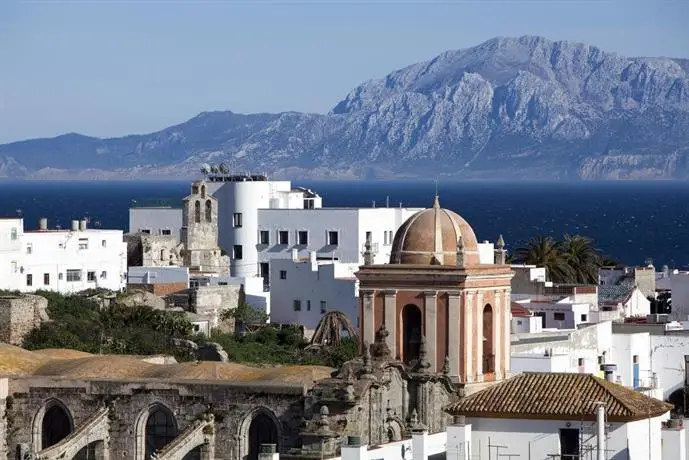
411	330
52	423
197	211
209	211
488	340
203	191
260	426
394	430
91	451
156	426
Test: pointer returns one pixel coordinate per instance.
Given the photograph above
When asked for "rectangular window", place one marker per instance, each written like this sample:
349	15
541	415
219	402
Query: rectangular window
146	231
323	306
237	220
283	274
13	234
264	237
559	316
29	279
297	305
13	264
73	276
91	277
83	243
584	317
237	252
283	237
104	243
580	362
333	238
29	248
302	238
103	275
388	237
569	444
308	305
164	231
46	279
59	276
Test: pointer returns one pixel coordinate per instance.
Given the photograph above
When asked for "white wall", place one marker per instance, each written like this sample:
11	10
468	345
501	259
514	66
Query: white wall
529	362
526	324
667	360
637	305
560	315
624	348
156	221
11	231
157	275
311	283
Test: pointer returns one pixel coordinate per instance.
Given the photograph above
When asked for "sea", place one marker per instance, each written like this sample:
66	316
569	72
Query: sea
631	221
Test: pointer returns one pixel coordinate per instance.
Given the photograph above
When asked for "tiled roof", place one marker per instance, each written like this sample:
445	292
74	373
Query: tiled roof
618	293
519	310
558	396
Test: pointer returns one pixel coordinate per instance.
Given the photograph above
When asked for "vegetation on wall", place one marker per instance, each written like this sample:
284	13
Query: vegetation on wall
574	259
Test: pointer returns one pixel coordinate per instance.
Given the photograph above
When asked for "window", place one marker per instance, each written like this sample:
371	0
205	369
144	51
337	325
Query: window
584	318
146	231
91	277
308	305
297	305
237	219
29	280
569	444
104	275
264	237
237	251
635	359
13	264
559	316
323	306
46	279
13	234
209	211
59	276
302	237
580	362
164	232
283	274
29	248
104	243
600	359
197	211
73	276
83	243
283	237
387	237
333	238
519	322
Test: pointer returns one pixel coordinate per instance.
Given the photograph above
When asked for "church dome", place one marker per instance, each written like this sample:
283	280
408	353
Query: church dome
432	237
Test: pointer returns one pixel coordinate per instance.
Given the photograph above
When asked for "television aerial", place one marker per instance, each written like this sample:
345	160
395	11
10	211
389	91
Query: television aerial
224	169
205	169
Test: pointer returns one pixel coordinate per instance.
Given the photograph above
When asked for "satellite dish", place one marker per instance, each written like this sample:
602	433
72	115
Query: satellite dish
214	169
224	169
205	169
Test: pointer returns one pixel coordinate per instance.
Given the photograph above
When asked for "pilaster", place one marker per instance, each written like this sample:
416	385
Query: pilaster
507	302
453	331
431	309
479	342
391	320
498	333
469	334
368	334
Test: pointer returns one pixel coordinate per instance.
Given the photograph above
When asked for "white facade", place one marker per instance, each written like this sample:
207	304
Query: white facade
158	275
526	324
303	290
158	221
65	261
559	315
530	362
631	354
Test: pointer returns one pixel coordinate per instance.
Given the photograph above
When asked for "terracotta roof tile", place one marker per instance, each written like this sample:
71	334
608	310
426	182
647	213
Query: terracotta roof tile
519	310
558	396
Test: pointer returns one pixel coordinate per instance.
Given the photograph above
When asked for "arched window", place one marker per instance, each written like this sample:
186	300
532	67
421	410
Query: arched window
197	211
261	431
56	425
161	429
488	345
411	333
209	211
203	191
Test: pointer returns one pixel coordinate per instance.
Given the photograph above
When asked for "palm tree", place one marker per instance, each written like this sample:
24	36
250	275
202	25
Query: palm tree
544	251
583	258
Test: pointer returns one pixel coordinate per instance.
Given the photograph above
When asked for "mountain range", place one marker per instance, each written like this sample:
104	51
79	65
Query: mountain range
519	108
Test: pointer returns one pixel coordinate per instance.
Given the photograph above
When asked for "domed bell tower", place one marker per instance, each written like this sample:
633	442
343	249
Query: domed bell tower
439	298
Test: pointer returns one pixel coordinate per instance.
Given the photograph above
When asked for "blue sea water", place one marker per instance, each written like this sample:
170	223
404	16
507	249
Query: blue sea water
631	221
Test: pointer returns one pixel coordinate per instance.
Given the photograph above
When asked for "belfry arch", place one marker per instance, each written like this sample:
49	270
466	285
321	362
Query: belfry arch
52	424
411	324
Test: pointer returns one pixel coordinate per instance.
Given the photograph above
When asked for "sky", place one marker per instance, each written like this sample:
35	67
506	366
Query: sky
111	68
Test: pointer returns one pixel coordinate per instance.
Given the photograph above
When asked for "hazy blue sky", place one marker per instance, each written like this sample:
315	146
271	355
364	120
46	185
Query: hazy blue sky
108	68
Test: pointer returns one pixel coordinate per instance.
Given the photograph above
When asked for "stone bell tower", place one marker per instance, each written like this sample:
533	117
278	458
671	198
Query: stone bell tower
200	231
439	298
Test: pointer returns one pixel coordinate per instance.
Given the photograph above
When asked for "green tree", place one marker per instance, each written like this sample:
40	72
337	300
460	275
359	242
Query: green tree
544	251
583	258
244	315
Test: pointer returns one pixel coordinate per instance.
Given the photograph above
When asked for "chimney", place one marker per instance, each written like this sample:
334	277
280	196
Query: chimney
43	224
313	260
600	422
82	225
295	255
459	439
75	225
609	372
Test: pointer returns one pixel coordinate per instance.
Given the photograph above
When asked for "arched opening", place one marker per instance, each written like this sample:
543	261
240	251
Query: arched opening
197	211
209	211
194	454
93	451
203	191
411	333
161	429
488	346
56	425
262	430
677	399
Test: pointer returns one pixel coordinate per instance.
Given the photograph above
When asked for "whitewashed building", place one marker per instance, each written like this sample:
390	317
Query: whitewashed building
304	289
64	260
